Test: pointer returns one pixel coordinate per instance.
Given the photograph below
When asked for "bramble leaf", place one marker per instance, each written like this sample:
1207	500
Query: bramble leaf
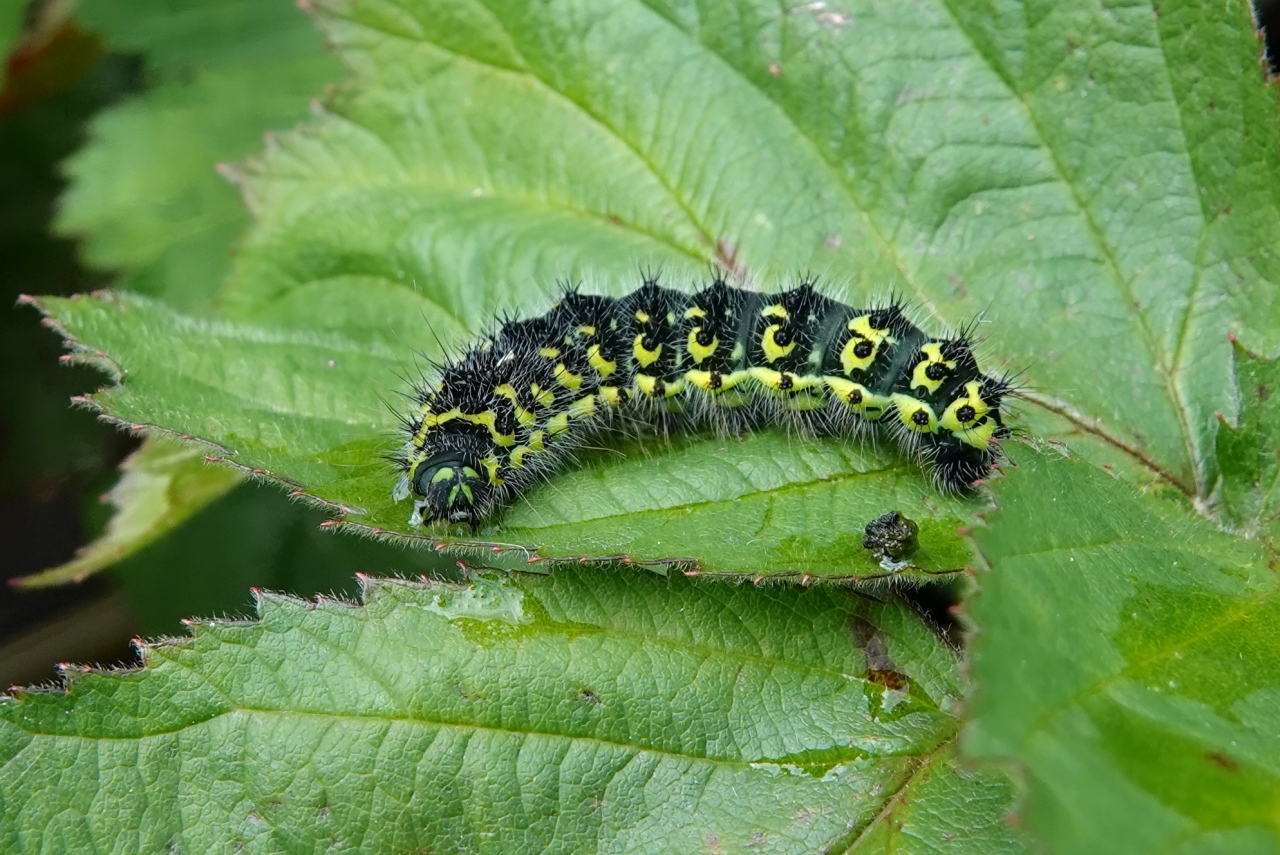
588	711
1126	658
1099	179
1077	199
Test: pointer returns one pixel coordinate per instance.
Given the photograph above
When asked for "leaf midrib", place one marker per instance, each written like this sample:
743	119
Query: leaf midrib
856	836
236	707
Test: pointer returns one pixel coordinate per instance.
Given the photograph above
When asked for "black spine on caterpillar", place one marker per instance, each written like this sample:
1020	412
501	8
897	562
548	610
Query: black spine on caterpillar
513	408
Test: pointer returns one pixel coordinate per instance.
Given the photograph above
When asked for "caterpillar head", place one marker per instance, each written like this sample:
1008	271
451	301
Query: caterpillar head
451	486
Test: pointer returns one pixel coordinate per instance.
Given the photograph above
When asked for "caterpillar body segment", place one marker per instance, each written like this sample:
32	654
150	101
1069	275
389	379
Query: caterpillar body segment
512	409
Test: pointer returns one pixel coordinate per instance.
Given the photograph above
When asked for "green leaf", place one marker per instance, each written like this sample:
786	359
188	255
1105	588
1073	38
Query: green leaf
161	485
1127	660
308	409
1101	185
1250	451
222	73
582	712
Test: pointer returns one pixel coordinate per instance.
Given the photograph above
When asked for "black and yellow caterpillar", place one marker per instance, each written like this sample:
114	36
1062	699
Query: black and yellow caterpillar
507	412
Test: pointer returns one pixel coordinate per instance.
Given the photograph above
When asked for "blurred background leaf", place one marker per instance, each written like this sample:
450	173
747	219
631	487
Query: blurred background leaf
219	75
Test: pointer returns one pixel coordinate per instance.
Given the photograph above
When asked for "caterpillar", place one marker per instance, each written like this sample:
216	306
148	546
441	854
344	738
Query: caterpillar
511	409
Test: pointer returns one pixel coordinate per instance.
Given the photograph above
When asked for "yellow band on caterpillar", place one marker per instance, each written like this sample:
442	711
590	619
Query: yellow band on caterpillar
772	350
966	411
656	387
582	408
491	466
783	381
715	381
699	352
915	415
861	327
523	416
612	395
567	378
644	355
604	367
487	419
978	436
858	398
543	397
534	446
